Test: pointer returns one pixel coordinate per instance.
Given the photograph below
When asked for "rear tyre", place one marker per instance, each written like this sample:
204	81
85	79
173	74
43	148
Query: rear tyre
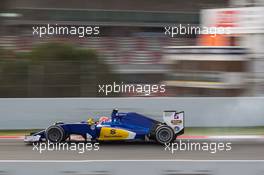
164	134
55	134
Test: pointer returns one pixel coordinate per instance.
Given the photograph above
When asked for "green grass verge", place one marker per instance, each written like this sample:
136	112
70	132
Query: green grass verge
188	131
17	132
225	131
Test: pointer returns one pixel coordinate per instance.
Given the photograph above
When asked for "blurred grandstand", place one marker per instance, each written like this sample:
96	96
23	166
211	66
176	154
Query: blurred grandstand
132	42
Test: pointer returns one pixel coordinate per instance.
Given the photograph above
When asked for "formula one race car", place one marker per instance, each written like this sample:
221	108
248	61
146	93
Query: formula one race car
121	126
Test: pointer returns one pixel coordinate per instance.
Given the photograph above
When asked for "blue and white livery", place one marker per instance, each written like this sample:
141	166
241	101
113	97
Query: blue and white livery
120	126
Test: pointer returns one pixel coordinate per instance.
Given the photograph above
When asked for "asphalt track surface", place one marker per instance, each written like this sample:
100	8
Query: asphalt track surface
18	150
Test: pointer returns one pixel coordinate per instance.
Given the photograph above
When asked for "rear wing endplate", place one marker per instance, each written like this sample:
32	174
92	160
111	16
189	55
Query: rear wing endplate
175	120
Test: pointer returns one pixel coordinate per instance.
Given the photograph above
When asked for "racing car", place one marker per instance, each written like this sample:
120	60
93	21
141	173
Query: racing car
119	127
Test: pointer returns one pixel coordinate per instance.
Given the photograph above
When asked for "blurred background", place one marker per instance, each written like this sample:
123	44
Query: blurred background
132	47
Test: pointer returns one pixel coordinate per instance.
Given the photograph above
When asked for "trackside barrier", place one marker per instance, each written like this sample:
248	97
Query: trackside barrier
22	113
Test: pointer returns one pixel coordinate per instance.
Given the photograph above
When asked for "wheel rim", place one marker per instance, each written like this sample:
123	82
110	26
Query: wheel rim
164	135
54	135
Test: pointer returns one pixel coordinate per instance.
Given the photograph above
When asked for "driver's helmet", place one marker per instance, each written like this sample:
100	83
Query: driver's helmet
114	112
104	119
90	121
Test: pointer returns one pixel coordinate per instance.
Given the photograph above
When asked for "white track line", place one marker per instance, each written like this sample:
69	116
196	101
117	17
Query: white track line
90	161
233	137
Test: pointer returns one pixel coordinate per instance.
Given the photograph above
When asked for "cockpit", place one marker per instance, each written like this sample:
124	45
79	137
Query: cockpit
104	119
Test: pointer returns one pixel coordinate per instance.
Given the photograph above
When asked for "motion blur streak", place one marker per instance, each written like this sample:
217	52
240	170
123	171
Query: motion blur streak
131	168
132	47
241	150
207	112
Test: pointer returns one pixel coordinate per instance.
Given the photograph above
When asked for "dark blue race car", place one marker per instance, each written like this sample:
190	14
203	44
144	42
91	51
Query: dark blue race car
120	126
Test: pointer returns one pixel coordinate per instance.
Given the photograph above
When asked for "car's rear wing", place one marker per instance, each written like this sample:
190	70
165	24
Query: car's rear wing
175	120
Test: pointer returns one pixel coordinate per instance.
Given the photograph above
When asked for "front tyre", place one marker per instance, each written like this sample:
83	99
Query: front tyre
55	134
164	134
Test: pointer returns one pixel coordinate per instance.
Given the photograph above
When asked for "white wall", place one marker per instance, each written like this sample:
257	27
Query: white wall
21	113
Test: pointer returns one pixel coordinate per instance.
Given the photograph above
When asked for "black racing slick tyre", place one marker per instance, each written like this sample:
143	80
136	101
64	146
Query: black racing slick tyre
164	134
55	134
